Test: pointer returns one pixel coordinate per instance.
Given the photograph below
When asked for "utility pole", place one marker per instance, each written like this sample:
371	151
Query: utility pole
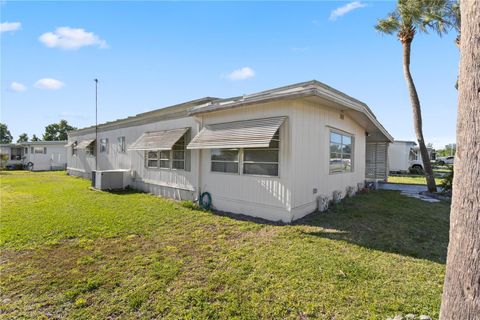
96	124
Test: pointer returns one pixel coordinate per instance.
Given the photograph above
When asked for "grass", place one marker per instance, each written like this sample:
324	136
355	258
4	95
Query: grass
70	252
411	179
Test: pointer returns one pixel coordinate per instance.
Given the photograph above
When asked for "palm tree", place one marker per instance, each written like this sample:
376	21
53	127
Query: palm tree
461	292
409	17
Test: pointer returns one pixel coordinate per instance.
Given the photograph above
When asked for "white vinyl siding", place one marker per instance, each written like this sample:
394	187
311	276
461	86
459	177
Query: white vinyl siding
341	152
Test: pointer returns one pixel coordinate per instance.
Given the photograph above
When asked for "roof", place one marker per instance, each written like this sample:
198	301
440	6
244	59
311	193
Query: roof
170	112
312	88
34	143
405	141
309	89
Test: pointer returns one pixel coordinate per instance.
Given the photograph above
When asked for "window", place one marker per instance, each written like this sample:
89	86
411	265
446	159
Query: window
178	154
104	145
39	150
169	159
262	161
225	160
74	148
152	159
121	144
258	161
341	152
26	150
91	148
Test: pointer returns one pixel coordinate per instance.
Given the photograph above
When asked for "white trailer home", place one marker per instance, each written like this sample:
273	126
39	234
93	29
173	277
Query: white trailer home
35	155
405	156
271	154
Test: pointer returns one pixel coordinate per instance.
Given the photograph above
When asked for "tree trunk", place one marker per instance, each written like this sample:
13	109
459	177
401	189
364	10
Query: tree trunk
461	293
417	117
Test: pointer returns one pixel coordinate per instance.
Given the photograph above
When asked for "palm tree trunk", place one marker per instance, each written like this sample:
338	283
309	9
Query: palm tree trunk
417	117
461	292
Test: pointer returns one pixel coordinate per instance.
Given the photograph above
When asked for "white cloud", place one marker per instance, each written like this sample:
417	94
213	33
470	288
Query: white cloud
343	10
17	87
9	26
49	84
241	74
71	39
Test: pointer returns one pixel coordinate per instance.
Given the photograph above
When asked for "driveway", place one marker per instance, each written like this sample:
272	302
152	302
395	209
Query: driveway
409	190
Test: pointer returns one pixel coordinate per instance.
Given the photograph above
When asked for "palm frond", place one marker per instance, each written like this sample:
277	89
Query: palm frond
389	25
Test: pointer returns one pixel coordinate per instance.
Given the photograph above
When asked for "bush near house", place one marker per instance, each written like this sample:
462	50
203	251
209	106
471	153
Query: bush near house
72	253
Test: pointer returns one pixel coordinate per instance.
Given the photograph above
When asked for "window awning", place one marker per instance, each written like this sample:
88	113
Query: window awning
240	134
159	140
69	144
84	144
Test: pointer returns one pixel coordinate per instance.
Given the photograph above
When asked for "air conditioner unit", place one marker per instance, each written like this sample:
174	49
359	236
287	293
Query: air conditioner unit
110	179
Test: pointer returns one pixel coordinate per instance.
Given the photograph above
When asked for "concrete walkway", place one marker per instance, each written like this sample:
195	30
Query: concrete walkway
409	190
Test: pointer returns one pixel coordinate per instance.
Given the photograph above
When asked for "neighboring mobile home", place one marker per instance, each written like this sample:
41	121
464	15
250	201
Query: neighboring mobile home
270	154
405	156
35	155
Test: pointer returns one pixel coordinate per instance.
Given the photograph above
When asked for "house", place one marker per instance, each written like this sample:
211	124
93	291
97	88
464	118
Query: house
271	154
404	156
35	155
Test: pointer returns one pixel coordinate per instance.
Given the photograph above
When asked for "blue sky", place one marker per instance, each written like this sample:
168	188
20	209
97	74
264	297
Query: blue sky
149	55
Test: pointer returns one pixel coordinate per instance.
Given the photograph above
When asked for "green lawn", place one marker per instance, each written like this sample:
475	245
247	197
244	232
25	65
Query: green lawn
70	252
411	179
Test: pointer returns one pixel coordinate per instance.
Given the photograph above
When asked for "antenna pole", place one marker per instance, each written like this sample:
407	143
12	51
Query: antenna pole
96	124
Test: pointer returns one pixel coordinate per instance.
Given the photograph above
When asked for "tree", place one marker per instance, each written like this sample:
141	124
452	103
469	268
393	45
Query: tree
23	137
35	138
461	291
5	135
57	131
409	17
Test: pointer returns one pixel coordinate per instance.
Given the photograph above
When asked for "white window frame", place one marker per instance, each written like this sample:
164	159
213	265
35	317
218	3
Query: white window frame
91	149
241	160
168	157
239	154
104	145
74	149
122	145
148	158
352	153
36	150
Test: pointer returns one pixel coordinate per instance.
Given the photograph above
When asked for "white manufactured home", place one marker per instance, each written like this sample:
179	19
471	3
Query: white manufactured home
405	156
35	155
271	154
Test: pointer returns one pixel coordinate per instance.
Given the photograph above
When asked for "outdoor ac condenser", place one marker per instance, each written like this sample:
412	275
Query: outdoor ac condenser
109	179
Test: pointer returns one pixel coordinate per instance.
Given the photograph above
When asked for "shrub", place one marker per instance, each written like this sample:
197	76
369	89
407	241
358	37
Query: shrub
447	183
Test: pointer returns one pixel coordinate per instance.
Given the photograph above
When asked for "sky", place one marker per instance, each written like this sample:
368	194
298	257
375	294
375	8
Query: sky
150	55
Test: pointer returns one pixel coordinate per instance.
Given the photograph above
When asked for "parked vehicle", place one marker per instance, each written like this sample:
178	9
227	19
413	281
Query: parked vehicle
446	160
404	156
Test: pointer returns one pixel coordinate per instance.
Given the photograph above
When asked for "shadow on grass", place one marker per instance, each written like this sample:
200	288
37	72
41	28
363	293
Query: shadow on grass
387	221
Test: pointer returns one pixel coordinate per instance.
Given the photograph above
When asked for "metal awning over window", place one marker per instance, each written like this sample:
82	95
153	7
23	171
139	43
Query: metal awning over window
240	134
84	144
159	140
69	144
